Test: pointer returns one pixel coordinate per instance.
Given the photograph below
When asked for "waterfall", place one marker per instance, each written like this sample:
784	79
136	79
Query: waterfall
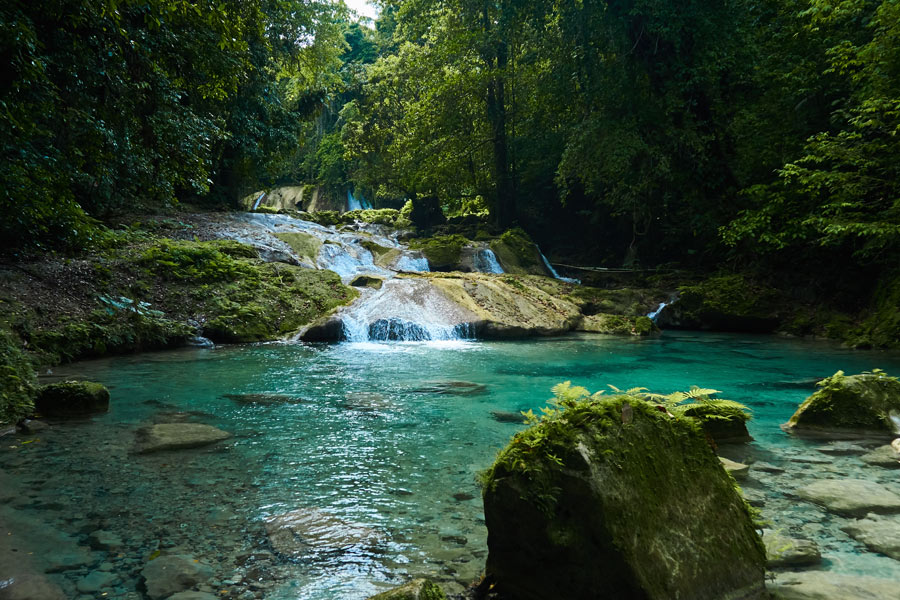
486	262
554	273
354	203
654	315
409	310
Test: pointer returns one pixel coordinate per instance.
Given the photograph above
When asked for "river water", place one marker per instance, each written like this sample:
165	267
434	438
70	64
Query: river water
385	438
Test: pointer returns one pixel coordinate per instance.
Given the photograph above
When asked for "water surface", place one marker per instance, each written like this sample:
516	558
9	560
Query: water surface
384	436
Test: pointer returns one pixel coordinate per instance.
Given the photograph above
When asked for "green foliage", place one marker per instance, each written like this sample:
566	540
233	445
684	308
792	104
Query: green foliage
201	262
699	403
16	380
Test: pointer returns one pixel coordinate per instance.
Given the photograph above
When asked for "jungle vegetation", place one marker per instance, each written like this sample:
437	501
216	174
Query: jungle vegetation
737	134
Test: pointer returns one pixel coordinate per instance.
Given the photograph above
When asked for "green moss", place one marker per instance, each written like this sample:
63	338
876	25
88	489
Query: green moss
442	251
71	398
644	326
377	250
381	216
517	253
853	402
16	380
193	261
303	244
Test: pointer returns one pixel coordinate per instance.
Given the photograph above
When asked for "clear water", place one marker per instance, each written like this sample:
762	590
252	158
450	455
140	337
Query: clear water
371	435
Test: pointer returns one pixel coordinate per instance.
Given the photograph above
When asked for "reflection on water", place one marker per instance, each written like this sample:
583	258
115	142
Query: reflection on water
380	438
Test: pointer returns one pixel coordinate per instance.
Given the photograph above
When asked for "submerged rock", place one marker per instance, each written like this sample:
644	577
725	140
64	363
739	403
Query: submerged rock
71	399
306	530
507	417
585	504
883	456
96	581
30	586
852	497
178	436
263	399
167	575
417	589
784	552
878	533
850	403
454	388
826	585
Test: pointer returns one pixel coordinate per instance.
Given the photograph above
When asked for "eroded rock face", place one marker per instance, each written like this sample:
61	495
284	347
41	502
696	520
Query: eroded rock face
850	403
639	508
71	399
178	436
167	575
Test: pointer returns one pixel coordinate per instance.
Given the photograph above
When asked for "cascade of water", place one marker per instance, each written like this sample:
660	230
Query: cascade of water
553	271
654	315
486	262
354	203
405	310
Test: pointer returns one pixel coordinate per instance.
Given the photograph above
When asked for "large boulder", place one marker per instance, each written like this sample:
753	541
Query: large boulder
615	498
854	403
418	589
71	399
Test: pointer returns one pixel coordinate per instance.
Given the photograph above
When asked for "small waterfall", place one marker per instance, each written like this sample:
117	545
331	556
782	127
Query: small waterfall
409	310
486	262
654	315
554	273
354	203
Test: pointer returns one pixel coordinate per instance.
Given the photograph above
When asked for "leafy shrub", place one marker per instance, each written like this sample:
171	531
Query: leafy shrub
16	380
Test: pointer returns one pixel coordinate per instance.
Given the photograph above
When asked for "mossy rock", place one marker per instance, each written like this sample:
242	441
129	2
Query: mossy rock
16	380
614	498
850	403
442	251
725	425
367	281
418	589
71	399
303	244
728	303
518	254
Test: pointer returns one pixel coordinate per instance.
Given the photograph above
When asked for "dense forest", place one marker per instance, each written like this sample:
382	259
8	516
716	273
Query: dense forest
758	137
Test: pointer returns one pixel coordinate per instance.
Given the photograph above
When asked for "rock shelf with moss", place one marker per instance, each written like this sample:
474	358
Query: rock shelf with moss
611	496
850	403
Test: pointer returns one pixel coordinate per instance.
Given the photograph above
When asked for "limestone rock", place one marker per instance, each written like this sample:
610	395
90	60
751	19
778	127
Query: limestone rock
850	403
878	533
883	456
71	399
418	589
783	551
739	471
167	575
621	514
825	585
105	540
851	497
178	436
309	530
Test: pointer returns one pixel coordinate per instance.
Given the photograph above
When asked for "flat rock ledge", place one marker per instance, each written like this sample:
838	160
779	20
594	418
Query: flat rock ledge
178	436
851	497
878	533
